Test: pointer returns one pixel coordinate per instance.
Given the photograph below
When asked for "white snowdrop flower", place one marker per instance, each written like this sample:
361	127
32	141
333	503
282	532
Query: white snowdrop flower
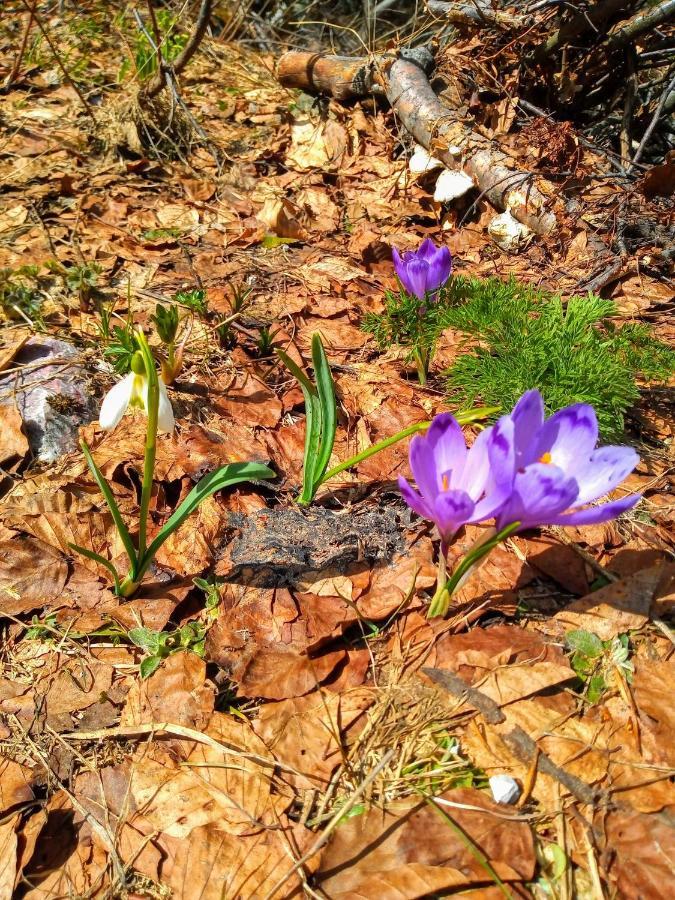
451	185
504	788
508	233
132	391
421	161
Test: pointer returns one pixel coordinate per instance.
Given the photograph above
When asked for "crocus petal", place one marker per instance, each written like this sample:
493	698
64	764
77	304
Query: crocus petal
540	493
452	509
442	267
116	402
593	515
427	251
418	274
527	417
475	473
501	449
414	500
165	420
606	468
423	467
569	436
401	267
448	447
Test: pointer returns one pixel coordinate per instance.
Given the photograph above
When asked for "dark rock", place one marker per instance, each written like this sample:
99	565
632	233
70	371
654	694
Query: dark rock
54	397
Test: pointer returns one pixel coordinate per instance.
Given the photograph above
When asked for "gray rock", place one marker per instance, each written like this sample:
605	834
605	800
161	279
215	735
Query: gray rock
54	397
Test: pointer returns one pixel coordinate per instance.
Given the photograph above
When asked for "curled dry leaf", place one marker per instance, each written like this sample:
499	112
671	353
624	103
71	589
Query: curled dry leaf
15	784
14	443
176	692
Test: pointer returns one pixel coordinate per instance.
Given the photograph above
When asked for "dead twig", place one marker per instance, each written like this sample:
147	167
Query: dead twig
18	59
520	743
652	124
187	53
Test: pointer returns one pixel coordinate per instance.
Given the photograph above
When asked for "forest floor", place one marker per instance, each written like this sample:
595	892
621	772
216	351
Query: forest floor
288	742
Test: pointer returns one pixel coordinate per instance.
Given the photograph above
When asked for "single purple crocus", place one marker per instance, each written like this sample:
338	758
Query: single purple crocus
557	469
422	272
457	485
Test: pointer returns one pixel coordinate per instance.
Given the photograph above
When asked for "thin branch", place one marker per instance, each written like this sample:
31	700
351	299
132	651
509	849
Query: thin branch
11	78
652	124
189	49
645	20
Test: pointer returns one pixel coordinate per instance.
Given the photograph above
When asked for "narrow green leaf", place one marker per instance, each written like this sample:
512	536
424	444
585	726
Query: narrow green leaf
96	557
225	476
120	524
584	642
312	427
326	391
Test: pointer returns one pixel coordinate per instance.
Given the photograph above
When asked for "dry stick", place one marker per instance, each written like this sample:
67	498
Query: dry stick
629	104
65	71
652	124
22	48
579	25
520	743
480	13
646	20
188	51
332	825
403	79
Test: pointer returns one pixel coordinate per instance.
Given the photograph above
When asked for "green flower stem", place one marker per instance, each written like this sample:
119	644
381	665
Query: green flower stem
375	448
421	356
441	599
127	587
464	418
150	443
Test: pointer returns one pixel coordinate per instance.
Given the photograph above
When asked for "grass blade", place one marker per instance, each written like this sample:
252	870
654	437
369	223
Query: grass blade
313	425
225	476
120	524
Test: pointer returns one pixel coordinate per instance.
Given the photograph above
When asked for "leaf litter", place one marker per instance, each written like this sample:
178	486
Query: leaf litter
293	743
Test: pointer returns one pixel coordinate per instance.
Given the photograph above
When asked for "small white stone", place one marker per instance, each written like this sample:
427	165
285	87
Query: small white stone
504	788
454	150
508	233
421	162
451	185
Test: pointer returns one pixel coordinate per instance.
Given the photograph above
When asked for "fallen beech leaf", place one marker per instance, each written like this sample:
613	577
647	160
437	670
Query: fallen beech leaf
176	692
250	402
8	856
210	864
13	442
410	851
639	855
304	733
15	785
557	560
615	608
277	672
32	575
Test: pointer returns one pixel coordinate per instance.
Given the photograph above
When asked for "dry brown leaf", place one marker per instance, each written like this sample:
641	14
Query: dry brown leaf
639	855
32	575
13	442
276	672
615	608
305	732
176	692
8	856
211	864
250	402
410	851
15	784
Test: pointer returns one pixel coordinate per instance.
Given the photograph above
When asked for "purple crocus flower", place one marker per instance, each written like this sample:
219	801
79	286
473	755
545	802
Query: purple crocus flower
456	485
557	469
422	272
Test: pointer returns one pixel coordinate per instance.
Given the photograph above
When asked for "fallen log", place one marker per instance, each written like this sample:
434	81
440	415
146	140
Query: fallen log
403	79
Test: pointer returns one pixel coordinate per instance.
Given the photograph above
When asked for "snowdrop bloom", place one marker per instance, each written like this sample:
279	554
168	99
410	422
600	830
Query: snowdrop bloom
557	469
422	272
457	485
132	391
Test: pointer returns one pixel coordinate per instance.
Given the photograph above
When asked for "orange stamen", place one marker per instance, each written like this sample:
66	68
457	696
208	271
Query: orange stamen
446	483
545	458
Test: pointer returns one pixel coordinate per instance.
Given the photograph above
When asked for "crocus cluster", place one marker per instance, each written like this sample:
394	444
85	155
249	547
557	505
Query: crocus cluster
525	471
422	272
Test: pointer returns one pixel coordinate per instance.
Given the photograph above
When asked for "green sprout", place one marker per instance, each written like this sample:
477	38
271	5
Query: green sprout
321	423
158	645
142	388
